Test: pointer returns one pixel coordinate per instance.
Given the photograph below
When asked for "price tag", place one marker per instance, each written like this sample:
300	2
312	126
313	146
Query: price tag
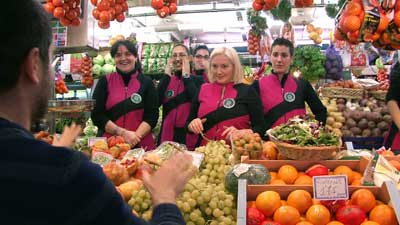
349	145
93	140
331	187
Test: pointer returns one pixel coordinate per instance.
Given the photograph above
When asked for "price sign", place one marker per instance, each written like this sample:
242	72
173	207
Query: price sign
330	187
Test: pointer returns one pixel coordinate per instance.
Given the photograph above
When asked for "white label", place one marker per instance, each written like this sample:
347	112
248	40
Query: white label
241	169
331	187
349	145
197	158
93	140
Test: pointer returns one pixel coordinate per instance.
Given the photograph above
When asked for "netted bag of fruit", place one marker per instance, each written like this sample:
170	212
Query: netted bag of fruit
333	64
246	143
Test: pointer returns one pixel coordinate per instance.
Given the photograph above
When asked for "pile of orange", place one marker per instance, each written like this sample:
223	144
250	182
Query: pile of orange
301	209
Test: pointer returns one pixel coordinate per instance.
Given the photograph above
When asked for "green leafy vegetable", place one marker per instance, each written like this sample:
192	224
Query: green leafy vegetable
283	11
309	60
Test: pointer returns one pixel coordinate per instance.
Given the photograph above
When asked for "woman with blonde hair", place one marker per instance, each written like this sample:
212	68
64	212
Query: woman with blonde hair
225	104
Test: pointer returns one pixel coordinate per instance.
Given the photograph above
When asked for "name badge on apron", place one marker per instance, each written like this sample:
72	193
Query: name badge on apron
289	97
229	103
169	93
136	98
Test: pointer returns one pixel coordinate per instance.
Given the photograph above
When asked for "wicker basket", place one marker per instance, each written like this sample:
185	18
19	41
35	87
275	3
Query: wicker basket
305	153
337	92
381	95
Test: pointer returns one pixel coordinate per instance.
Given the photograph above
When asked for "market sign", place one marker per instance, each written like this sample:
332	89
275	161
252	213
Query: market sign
333	187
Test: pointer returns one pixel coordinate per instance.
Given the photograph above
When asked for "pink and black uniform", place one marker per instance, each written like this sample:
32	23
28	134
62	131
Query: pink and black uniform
285	99
127	99
392	139
176	95
202	73
227	105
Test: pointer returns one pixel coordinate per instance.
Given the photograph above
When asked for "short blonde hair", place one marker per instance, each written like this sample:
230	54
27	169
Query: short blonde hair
233	57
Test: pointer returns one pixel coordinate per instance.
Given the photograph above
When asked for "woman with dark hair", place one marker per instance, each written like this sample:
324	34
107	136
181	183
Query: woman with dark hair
175	92
126	100
392	139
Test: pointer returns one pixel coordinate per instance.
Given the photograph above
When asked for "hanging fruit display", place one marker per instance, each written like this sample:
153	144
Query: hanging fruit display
303	3
315	33
67	11
164	7
86	72
258	25
60	86
266	5
106	11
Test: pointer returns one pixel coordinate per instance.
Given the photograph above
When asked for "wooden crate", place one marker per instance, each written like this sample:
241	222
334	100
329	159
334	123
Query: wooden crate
388	194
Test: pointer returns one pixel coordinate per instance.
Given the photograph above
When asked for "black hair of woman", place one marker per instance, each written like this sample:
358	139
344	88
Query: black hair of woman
131	48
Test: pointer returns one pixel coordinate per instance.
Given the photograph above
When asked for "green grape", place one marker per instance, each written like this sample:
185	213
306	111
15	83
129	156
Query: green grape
136	208
142	193
145	205
221	205
217	213
213	204
132	202
228	202
227	210
192	202
193	216
190	223
200	200
208	211
186	207
195	193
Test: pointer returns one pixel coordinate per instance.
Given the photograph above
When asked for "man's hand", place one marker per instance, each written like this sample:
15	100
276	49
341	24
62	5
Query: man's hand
169	180
68	137
185	66
169	67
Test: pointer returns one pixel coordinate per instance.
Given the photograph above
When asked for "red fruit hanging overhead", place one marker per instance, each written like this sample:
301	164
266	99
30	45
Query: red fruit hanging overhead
163	12
157	4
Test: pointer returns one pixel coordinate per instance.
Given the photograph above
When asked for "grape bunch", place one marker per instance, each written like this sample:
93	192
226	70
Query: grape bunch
141	204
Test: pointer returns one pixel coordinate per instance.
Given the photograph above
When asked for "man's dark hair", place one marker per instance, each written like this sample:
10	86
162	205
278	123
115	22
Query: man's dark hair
184	46
284	42
131	48
201	47
25	25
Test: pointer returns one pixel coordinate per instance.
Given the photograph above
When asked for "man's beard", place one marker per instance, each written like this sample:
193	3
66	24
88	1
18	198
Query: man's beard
41	102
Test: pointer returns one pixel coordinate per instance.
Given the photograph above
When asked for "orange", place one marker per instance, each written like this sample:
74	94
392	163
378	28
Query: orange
345	170
335	223
288	174
267	202
353	36
278	182
353	9
300	199
270	150
351	24
356	182
338	35
304	223
364	199
369	222
318	215
287	215
383	214
301	173
357	175
396	18
283	202
303	180
383	23
273	175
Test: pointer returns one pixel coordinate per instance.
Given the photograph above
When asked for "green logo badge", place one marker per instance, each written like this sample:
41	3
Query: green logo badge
229	103
136	98
289	97
169	93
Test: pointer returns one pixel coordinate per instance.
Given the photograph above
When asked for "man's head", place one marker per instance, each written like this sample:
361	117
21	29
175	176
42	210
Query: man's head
179	53
201	56
24	52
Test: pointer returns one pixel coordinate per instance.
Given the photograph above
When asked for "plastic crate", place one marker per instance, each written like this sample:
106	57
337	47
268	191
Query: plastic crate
364	142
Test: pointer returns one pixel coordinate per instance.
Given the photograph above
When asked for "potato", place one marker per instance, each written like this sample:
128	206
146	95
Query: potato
330	120
337	131
337	125
340	119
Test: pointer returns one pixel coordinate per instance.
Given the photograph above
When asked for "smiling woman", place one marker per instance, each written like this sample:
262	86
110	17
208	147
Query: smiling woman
126	101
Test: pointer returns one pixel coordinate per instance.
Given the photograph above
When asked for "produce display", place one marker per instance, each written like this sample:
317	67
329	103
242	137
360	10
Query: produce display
266	5
333	64
67	11
315	33
253	173
309	60
106	11
246	143
86	72
164	7
304	133
155	56
298	207
60	86
103	65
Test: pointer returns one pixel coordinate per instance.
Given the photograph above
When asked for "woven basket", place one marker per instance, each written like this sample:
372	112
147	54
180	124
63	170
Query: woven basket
337	92
305	153
381	95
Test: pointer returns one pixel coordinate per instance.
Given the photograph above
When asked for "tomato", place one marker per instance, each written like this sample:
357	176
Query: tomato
173	1
104	25
105	16
112	3
71	4
78	10
257	7
96	13
261	2
120	17
103	5
350	214
76	22
94	2
71	14
78	2
112	13
58	3
65	22
58	12
120	1
172	8
66	7
163	12
157	4
254	216
125	6
49	7
118	9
